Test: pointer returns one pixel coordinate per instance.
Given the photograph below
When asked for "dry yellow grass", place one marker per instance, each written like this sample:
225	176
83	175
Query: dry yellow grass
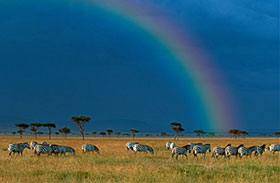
116	164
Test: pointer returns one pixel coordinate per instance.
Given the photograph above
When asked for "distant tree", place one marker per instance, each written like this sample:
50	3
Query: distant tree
40	133
94	133
243	133
56	133
109	132
49	126
14	133
34	128
87	134
126	134
22	127
163	134
211	134
277	134
117	133
147	134
234	133
80	121
65	131
102	133
199	133
133	132
177	127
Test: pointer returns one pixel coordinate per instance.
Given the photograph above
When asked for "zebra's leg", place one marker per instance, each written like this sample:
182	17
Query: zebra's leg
177	156
10	153
172	155
186	156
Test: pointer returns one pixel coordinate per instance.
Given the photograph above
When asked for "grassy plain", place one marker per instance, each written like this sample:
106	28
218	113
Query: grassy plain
115	164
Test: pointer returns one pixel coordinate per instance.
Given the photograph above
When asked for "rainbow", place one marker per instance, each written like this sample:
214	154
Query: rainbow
210	98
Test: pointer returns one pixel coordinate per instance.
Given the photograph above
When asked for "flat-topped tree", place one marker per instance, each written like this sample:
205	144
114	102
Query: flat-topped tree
22	127
199	133
109	131
133	131
80	121
277	134
65	130
243	133
117	133
234	132
102	133
177	127
34	128
49	126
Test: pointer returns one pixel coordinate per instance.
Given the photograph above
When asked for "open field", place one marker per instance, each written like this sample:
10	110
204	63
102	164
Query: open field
116	164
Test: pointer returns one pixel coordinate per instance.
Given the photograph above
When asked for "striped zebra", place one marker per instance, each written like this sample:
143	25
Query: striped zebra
44	143
43	149
243	151
260	150
33	144
181	151
143	148
17	148
70	150
130	145
172	145
219	151
274	148
230	150
201	149
193	144
167	145
58	149
89	148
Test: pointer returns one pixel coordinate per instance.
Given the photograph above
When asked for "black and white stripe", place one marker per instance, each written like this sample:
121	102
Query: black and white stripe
230	150
89	148
43	149
260	150
33	144
129	145
142	148
219	151
201	149
70	150
17	148
274	148
181	151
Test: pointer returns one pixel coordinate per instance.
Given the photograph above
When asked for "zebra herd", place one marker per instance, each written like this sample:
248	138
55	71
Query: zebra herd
195	148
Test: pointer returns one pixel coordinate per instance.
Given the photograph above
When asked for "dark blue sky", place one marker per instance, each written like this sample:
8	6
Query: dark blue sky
59	59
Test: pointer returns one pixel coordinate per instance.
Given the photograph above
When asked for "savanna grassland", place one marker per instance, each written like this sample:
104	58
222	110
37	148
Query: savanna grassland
115	164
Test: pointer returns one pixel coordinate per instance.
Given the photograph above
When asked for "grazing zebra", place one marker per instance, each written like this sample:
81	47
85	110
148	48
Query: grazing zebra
219	151
58	149
201	149
243	151
130	145
167	145
43	149
172	145
181	151
230	150
142	148
89	148
274	147
33	144
44	143
260	150
192	145
70	150
17	148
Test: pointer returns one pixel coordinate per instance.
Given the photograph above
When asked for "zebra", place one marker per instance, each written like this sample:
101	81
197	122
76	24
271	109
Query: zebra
201	149
274	147
70	150
130	145
192	145
58	149
230	150
33	144
17	148
260	150
43	149
217	151
89	148
44	143
142	148
181	151
172	145
167	145
243	151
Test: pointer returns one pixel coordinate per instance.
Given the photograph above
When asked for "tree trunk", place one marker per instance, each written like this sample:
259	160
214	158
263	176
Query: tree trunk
82	133
50	132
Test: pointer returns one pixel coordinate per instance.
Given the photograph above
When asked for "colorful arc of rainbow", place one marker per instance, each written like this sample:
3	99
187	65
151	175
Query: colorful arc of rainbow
214	102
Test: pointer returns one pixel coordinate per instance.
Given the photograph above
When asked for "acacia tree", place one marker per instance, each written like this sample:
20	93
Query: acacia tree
65	131
109	131
49	126
34	128
199	133
234	133
22	127
163	134
133	131
177	127
94	133
102	133
211	134
117	133
80	121
277	134
243	133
